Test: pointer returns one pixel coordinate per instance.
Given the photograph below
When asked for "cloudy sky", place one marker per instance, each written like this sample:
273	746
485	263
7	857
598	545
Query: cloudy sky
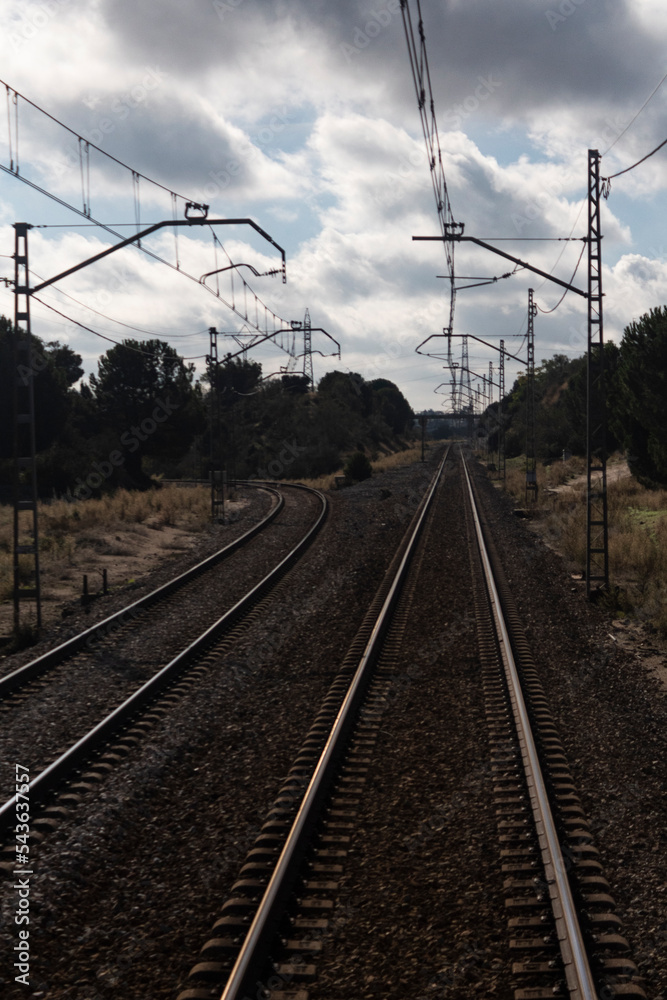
301	115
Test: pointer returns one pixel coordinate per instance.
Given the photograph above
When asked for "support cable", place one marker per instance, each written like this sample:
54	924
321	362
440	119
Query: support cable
9	131
13	169
215	257
605	182
35	298
633	120
424	91
110	319
574	274
143	249
84	170
137	202
16	128
174	212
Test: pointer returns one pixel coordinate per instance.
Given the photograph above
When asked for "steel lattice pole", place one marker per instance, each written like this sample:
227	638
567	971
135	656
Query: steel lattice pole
597	535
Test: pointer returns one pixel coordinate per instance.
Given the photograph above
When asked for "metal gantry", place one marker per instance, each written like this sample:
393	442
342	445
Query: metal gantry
304	326
597	535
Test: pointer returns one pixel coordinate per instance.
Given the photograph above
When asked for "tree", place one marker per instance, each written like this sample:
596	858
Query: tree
560	407
65	361
358	467
640	384
391	405
145	396
50	385
295	383
349	391
235	377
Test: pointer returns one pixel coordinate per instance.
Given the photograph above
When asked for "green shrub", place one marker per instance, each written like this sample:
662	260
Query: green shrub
358	467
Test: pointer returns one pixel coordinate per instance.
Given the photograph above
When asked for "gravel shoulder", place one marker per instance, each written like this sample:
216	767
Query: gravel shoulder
610	706
125	891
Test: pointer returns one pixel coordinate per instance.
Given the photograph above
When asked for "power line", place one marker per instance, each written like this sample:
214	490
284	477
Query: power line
606	181
633	120
566	238
84	147
95	332
547	311
421	77
128	326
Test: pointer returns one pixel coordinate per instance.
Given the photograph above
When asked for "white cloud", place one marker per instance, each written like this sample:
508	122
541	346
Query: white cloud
302	115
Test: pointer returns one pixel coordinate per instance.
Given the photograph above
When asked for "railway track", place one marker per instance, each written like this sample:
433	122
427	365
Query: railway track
56	765
290	898
272	925
564	931
133	614
564	935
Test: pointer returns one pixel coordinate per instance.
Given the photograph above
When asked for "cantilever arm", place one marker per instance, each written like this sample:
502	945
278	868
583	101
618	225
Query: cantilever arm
153	229
318	329
508	256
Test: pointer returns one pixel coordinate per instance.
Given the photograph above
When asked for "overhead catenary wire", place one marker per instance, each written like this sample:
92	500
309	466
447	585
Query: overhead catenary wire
96	333
606	181
553	309
150	253
421	77
110	319
635	117
84	147
129	347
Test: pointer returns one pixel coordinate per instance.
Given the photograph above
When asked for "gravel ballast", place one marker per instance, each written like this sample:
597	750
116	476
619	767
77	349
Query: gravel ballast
125	891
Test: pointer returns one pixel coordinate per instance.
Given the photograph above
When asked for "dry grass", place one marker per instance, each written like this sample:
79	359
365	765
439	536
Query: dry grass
384	463
637	520
398	459
70	530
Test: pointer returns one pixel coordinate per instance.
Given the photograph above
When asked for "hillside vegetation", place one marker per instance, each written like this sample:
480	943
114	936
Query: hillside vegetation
144	415
636	381
635	392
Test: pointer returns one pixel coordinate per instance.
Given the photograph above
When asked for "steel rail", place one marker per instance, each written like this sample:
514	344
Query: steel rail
22	675
45	782
577	969
255	946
